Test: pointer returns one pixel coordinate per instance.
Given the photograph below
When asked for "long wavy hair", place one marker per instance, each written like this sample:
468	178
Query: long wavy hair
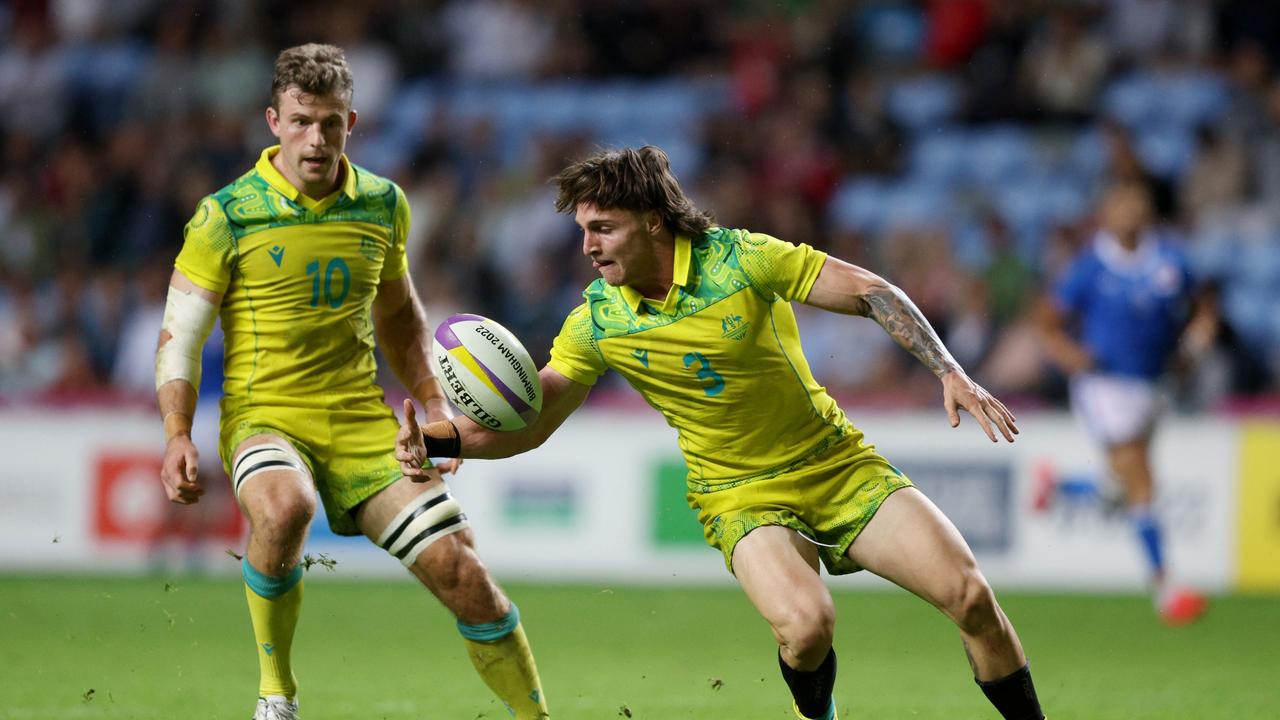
636	179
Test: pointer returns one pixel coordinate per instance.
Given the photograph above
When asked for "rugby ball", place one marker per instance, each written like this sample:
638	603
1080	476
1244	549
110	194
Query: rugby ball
486	372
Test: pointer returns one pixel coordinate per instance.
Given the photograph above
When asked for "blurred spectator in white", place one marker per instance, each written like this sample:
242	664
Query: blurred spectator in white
1159	29
1218	177
1063	67
231	60
1265	156
373	65
167	87
498	39
34	71
133	372
1249	75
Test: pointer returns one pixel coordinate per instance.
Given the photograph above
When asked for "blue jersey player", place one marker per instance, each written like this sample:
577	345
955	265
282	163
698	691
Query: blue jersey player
1113	325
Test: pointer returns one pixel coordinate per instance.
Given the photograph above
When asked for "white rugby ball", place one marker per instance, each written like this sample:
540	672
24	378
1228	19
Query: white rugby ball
486	372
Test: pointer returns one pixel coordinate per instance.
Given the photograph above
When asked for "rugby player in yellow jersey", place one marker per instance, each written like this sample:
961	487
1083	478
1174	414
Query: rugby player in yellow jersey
698	319
303	259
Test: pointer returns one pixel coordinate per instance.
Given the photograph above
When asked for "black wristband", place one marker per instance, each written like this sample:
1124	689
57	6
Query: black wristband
441	439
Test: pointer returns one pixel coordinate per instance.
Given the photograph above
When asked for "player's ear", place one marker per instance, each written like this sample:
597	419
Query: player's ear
351	120
273	120
653	222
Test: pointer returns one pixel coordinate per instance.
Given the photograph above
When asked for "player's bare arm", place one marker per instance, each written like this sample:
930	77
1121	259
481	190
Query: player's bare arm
846	288
1061	348
415	443
400	322
189	315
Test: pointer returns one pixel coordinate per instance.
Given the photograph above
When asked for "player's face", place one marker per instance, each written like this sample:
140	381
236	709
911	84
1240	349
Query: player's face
313	132
621	246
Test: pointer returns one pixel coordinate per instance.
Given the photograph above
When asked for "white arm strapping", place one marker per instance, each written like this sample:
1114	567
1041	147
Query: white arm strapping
189	319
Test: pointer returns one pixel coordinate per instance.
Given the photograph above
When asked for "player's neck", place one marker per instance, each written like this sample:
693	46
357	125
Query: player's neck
315	191
659	284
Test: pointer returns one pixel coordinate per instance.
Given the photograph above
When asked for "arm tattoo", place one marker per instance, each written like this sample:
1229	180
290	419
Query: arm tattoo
904	322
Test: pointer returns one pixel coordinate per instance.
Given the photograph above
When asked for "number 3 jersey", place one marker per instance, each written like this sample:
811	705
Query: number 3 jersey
298	278
720	358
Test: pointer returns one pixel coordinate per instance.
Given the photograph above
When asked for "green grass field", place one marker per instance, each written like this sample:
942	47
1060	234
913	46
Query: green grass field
181	648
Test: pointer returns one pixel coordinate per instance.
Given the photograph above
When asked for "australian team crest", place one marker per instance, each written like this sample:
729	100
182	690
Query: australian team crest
734	327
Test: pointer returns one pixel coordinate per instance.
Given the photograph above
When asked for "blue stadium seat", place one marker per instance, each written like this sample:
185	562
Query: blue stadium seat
1166	151
940	156
1000	153
859	204
925	101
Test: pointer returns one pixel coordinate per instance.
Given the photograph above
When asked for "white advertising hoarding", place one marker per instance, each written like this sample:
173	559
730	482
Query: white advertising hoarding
603	501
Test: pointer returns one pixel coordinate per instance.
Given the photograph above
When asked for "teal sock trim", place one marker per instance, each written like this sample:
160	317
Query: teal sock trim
494	631
267	586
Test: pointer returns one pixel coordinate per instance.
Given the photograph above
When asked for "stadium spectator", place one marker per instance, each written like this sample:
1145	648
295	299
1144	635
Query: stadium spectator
301	413
698	319
120	113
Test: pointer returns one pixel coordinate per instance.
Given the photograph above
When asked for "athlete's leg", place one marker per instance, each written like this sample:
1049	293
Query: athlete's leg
912	544
778	570
274	487
1130	462
421	524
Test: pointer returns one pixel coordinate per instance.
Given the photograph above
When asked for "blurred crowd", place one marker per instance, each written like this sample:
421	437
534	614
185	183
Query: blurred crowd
957	147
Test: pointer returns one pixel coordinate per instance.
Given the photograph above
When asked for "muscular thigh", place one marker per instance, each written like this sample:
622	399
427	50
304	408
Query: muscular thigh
911	543
348	451
778	569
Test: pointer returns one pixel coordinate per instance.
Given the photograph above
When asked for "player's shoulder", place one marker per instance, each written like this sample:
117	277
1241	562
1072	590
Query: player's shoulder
377	199
371	183
213	218
599	293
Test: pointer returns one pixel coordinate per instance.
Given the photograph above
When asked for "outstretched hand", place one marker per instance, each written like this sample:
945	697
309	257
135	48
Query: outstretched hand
958	391
411	449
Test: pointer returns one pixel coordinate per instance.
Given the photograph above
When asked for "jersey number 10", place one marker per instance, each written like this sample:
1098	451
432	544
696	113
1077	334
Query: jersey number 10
336	265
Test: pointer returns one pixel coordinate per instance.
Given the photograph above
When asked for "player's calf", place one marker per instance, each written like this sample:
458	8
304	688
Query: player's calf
425	528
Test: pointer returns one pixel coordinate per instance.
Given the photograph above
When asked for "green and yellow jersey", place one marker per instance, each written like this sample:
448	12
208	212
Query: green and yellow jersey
720	357
298	277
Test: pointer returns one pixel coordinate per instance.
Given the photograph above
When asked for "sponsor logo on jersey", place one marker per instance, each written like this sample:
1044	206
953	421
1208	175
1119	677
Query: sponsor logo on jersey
642	356
369	248
277	254
734	327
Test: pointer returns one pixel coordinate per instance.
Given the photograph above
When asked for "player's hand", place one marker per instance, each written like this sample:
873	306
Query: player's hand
439	409
958	391
411	449
180	471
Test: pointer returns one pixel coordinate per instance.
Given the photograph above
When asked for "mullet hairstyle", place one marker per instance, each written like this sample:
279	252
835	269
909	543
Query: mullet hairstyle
315	69
632	179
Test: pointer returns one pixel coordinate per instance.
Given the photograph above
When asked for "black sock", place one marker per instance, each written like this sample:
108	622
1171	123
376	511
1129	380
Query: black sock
811	688
1014	695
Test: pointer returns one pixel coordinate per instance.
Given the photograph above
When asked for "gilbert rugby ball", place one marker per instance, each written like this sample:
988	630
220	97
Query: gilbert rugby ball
486	372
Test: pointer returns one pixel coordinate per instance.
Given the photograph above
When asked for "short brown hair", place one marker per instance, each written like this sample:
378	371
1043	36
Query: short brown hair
315	69
633	179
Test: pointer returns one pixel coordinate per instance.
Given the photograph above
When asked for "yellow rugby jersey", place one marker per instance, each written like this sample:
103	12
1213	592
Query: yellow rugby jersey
720	358
298	278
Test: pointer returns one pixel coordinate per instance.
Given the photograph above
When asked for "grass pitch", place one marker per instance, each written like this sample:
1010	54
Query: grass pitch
152	647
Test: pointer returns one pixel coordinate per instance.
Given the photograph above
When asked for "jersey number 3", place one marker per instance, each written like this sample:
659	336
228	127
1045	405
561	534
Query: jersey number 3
712	381
335	266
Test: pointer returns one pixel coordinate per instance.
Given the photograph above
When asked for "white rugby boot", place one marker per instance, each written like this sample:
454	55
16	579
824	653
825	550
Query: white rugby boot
276	707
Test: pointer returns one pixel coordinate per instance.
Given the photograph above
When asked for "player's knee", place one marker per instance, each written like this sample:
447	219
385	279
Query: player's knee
806	627
282	510
972	604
